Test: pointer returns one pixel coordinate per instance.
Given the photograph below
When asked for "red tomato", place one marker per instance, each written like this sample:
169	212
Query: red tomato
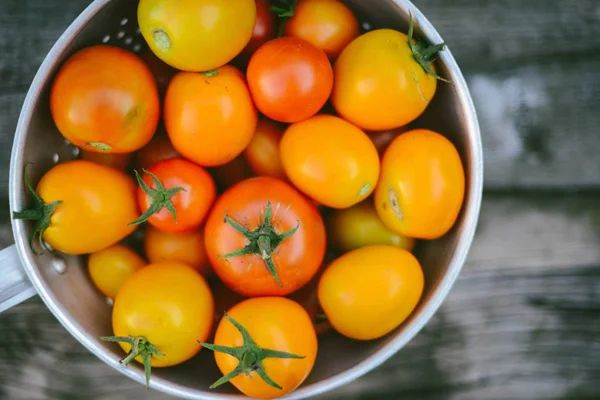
271	242
264	30
262	154
177	196
290	79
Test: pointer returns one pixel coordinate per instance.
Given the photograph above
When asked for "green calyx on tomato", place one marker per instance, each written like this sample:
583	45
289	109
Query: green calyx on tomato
40	212
160	196
210	72
139	347
250	356
284	12
263	241
424	54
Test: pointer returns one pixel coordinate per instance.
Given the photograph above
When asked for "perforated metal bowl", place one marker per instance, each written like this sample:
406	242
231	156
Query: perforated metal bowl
62	281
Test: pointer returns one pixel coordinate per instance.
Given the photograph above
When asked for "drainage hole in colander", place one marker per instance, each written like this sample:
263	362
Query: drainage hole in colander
55	158
124	21
120	34
105	39
75	152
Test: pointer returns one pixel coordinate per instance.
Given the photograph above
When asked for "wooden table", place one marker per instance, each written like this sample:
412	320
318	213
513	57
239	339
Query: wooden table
523	321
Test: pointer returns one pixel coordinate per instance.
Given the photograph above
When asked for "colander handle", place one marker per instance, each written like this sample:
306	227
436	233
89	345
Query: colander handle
15	287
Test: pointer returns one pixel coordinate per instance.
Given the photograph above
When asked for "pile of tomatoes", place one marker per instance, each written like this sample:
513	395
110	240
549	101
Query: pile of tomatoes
265	152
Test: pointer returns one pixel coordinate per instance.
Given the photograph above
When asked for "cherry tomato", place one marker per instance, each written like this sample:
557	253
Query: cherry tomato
379	84
382	139
262	154
264	30
422	185
111	267
182	203
185	247
330	160
167	307
159	149
113	160
104	99
210	118
231	173
272	323
82	207
360	226
290	79
196	35
328	24
264	238
368	292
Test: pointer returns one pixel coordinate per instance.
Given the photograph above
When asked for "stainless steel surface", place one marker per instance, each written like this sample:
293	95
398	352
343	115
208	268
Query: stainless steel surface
14	284
85	314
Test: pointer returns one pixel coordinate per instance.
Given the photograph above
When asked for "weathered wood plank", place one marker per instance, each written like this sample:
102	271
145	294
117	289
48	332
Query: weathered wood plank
521	322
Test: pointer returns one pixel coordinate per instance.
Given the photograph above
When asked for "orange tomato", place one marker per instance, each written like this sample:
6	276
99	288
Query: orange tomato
328	24
422	185
262	154
104	99
185	247
331	160
111	267
368	292
159	148
210	118
264	30
113	160
274	323
381	82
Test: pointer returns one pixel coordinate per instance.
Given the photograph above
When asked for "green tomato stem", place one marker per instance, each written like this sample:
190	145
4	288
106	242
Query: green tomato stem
424	54
160	198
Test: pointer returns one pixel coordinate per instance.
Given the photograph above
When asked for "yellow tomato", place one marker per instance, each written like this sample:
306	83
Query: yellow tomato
197	35
111	267
368	292
185	247
378	82
330	160
422	185
360	226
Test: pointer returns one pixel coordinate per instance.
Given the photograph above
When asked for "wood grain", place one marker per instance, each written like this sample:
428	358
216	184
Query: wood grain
521	322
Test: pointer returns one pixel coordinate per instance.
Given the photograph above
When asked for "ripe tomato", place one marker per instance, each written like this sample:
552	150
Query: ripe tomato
231	173
328	24
185	247
360	226
422	185
167	323
264	30
271	242
382	139
159	149
111	267
66	218
262	154
210	118
290	79
196	35
175	195
382	82
280	345
104	99
113	160
368	292
330	160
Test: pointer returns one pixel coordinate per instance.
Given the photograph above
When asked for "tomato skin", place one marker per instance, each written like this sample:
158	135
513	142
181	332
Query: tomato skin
328	24
262	154
382	139
368	292
75	183
422	185
111	267
185	247
191	204
172	320
360	226
290	79
378	85
234	171
298	257
196	35
330	160
117	161
264	30
275	323
105	99
210	119
158	149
